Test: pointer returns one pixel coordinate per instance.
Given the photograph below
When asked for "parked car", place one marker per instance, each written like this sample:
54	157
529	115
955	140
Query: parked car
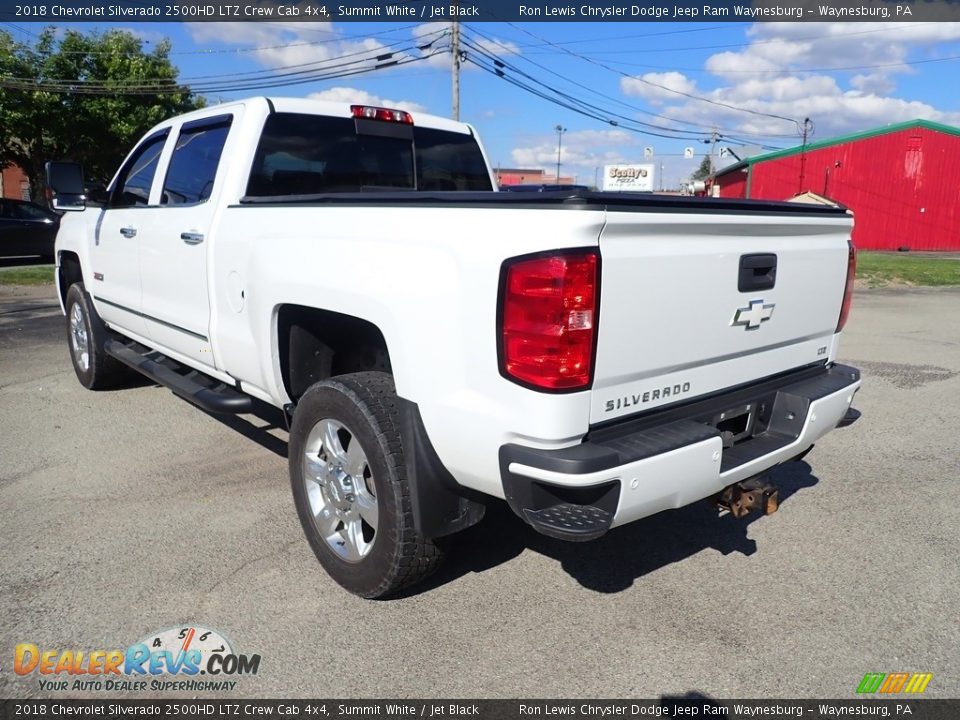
27	229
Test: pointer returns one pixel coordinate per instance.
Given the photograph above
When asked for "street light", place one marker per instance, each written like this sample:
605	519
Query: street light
560	131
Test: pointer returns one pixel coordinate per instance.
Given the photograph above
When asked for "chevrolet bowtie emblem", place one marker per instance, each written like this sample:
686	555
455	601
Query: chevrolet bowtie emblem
752	315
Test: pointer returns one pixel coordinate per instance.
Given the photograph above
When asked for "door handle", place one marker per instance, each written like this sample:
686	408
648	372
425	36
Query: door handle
128	232
191	238
757	272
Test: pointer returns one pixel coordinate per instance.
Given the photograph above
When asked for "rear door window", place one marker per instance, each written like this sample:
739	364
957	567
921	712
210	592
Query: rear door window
193	165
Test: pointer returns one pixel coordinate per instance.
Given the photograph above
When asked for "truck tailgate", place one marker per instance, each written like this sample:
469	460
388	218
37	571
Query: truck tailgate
674	324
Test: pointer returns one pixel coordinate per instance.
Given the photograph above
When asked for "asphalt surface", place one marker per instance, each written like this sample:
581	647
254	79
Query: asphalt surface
123	513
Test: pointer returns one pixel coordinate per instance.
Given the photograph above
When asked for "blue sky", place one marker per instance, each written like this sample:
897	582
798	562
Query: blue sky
754	82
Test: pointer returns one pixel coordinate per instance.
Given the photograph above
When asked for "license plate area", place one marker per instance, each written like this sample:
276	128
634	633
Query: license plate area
736	423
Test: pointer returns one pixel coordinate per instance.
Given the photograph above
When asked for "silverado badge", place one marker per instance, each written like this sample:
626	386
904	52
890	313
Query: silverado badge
752	315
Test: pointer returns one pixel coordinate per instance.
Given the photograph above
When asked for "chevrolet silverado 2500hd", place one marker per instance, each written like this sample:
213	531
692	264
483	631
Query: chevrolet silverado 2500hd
591	358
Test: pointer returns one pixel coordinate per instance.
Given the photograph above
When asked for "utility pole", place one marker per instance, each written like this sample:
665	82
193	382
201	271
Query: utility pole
455	67
714	136
807	128
560	131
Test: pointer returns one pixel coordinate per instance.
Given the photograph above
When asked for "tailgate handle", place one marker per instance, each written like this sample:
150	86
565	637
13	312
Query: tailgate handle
757	272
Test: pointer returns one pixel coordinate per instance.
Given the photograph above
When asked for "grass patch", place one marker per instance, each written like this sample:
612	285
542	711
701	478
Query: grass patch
878	269
27	275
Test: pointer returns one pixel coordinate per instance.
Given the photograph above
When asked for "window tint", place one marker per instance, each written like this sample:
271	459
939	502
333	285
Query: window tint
307	154
133	184
449	161
29	211
16	210
193	165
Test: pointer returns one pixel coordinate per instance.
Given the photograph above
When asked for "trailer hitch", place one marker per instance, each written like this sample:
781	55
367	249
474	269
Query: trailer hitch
742	498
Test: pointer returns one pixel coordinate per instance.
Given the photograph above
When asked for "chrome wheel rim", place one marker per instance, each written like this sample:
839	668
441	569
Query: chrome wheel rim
340	490
79	341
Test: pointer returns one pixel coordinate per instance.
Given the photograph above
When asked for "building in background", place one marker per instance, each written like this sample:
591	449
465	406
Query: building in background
531	176
626	177
902	182
14	184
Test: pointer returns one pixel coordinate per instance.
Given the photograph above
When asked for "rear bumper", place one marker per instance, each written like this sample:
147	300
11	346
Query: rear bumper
672	458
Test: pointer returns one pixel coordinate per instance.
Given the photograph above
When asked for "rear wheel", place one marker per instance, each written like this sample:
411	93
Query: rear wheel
86	335
349	485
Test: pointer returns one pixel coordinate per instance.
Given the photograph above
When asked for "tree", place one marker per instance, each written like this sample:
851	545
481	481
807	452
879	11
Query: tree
702	172
82	97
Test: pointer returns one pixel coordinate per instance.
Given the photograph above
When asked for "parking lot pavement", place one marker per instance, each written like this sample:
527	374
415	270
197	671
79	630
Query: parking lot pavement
123	513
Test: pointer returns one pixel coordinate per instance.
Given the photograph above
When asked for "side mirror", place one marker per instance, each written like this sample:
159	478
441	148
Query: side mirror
65	181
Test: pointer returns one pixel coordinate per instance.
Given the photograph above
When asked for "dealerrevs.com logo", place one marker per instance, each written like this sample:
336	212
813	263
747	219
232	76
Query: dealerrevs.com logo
172	660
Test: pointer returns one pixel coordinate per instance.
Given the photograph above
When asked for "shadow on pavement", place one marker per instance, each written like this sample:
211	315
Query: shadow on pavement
612	563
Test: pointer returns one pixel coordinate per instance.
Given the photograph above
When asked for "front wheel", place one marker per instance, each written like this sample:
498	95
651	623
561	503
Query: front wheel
350	489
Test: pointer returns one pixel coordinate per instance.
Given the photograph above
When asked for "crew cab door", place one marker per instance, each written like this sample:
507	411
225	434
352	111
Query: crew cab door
173	255
114	278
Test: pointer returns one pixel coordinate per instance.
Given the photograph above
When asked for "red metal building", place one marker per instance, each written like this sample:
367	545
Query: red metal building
902	182
530	176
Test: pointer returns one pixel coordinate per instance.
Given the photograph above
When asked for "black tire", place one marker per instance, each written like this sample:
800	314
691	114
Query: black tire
100	371
365	405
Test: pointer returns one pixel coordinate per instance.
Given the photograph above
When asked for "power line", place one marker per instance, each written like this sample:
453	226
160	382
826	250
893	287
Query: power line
664	87
574	82
741	45
172	87
697	126
20	29
371	53
256	79
790	70
575	105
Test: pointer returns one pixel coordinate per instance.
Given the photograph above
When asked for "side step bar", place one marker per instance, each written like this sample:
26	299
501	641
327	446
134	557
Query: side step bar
215	397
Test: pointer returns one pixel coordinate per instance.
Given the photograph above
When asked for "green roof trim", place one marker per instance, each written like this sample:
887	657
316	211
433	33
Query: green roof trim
897	127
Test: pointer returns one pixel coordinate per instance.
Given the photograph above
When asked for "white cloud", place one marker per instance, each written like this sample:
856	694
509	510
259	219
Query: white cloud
658	87
584	153
873	84
362	97
795	83
311	45
583	148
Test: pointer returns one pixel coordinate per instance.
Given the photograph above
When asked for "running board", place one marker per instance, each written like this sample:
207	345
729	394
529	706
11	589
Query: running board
203	391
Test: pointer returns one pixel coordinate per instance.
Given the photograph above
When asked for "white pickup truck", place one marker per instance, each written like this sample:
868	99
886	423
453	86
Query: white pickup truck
591	358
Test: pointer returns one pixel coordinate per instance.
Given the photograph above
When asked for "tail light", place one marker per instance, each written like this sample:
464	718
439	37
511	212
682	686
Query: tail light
848	288
548	314
380	113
